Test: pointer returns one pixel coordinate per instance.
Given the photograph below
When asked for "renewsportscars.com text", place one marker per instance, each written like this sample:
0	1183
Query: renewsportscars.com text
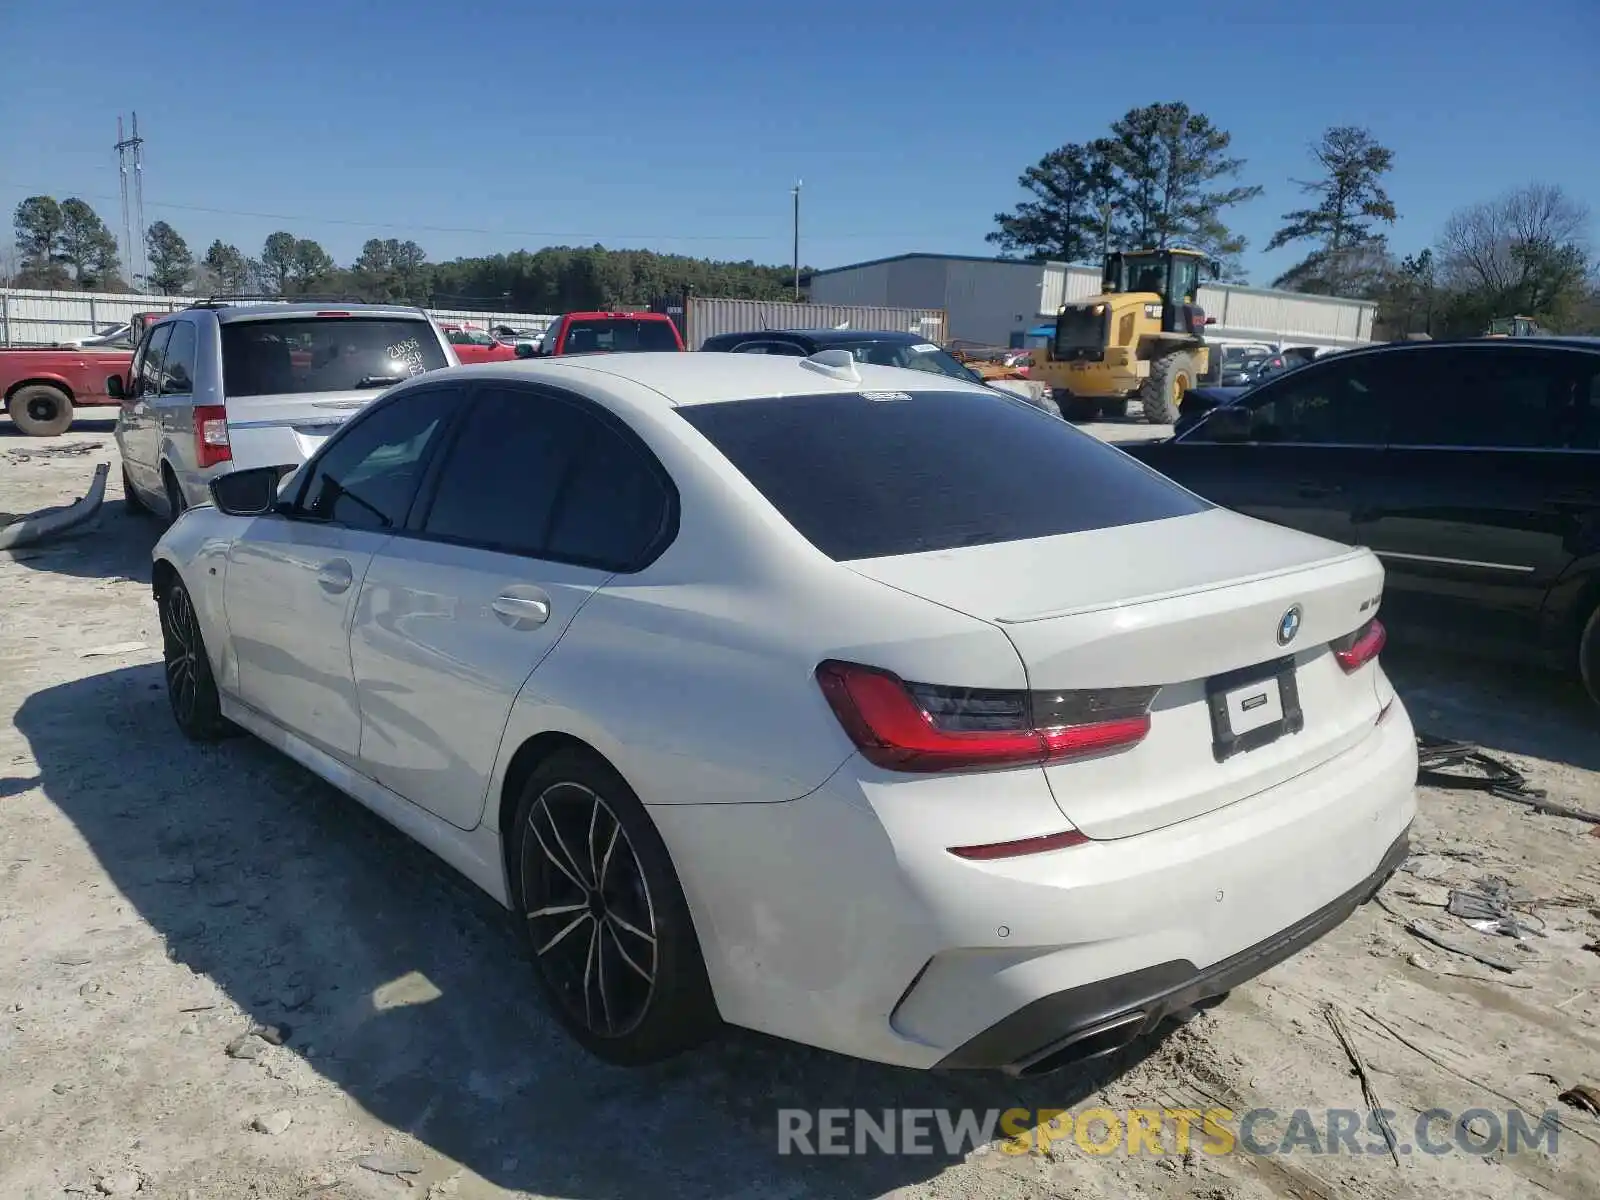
1164	1131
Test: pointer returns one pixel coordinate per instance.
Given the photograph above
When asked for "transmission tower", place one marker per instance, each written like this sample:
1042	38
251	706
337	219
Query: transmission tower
130	161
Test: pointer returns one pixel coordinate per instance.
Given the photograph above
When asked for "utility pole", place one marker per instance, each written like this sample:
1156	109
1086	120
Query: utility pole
130	158
797	184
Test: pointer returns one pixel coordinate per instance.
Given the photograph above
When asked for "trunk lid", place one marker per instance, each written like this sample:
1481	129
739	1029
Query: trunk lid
309	418
1174	603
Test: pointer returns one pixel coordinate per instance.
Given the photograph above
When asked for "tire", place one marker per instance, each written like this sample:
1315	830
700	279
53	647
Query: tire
176	504
40	410
191	689
130	498
1170	377
619	963
1077	408
1589	656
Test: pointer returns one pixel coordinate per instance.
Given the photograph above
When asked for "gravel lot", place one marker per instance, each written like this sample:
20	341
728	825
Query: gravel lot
157	900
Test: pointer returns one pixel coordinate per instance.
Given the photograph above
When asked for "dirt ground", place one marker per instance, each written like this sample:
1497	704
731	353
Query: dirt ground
158	900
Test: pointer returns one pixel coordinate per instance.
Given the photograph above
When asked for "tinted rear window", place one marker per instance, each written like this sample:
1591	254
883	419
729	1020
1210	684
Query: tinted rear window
327	354
862	478
586	337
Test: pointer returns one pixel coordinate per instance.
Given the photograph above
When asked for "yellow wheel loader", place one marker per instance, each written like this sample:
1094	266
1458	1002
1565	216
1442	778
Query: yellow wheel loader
1141	338
1513	327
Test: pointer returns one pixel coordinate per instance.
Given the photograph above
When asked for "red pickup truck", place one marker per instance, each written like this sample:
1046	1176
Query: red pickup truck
606	332
42	388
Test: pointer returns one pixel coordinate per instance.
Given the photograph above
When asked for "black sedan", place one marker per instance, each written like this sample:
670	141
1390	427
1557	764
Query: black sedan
1471	468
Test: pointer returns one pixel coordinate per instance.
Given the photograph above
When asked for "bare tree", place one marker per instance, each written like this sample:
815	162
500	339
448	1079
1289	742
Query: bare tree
1505	249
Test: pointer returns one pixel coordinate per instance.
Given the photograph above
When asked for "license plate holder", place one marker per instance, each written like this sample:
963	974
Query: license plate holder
1253	707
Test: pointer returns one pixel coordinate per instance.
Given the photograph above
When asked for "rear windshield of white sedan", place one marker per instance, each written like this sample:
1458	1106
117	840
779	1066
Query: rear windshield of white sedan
879	474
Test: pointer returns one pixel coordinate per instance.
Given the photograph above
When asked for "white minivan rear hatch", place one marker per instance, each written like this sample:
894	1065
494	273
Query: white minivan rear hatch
289	381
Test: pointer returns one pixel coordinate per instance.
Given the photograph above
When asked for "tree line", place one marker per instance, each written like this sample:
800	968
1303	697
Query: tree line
1162	175
1165	175
66	245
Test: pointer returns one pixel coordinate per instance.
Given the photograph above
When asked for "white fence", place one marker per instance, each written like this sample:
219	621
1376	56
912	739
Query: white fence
35	318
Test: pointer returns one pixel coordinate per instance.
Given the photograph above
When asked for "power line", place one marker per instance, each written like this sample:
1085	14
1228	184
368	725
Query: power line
527	233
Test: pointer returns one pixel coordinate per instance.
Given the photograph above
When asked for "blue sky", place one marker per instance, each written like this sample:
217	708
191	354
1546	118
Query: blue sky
681	126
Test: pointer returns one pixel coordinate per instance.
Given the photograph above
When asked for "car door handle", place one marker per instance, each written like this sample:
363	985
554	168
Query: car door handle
335	577
520	612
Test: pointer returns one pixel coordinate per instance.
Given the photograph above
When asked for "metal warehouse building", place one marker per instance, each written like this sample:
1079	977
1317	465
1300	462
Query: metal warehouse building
995	301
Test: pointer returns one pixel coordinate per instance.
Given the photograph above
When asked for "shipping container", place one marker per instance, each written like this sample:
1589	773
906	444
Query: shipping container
39	318
701	317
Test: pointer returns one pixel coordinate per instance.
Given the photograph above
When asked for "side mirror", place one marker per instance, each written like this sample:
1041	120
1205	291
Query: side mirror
249	493
1230	423
115	388
525	350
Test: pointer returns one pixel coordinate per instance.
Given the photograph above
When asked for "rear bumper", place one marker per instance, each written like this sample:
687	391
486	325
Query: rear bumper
866	936
1099	1017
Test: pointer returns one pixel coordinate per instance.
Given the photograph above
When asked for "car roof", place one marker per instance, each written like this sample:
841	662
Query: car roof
1495	345
614	315
257	312
675	380
825	337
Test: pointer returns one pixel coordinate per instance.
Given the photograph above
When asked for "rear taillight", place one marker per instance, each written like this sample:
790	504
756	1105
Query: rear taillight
211	435
922	727
1356	650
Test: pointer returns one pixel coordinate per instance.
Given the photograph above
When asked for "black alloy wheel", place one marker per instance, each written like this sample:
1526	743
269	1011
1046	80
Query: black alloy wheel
593	927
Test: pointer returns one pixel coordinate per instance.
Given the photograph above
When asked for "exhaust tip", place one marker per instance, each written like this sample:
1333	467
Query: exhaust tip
1094	1042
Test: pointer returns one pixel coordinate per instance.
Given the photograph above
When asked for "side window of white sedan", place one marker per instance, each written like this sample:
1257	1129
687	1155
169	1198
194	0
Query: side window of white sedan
367	476
541	476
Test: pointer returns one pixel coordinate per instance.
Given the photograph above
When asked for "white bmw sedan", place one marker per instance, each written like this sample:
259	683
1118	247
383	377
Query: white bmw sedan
864	707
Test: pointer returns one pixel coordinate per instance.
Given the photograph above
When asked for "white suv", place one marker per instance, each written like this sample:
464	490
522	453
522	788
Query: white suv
217	387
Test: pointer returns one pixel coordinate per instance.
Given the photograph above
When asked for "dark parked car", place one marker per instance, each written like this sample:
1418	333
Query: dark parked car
1471	468
883	348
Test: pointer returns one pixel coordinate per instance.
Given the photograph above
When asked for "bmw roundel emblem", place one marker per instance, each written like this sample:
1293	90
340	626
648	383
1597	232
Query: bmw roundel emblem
1288	626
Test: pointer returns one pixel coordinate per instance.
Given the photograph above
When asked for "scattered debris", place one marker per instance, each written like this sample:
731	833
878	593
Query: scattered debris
389	1164
1577	995
273	1035
1416	960
1494	979
113	649
1425	866
120	1183
1448	764
1487	906
1581	1095
1448	941
244	1046
273	1123
1330	1013
34	527
1428	895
